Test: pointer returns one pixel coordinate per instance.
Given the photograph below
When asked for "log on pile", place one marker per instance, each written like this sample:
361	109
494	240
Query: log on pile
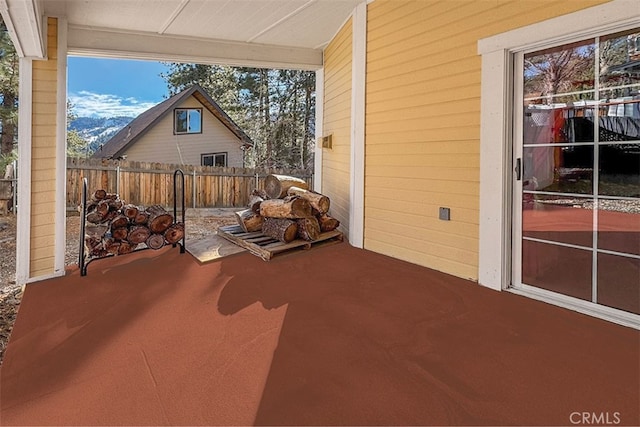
308	228
282	229
276	186
116	228
287	198
119	222
159	219
155	241
327	223
142	218
138	234
317	201
120	234
130	211
289	207
256	198
174	233
249	221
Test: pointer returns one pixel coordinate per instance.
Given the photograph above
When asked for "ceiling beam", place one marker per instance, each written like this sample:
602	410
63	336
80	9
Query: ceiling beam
101	42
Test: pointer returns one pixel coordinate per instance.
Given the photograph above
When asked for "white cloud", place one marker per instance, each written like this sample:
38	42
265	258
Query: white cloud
89	104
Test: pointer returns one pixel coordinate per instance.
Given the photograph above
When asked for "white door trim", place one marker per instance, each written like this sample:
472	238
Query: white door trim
585	307
358	92
61	150
495	123
317	159
23	237
495	171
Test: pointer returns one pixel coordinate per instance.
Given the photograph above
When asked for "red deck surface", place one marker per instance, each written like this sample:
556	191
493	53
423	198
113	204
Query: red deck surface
331	336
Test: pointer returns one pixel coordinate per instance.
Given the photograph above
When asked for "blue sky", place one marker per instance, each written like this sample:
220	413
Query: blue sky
114	87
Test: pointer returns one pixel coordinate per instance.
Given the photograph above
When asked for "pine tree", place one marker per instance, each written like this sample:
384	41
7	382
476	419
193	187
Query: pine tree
8	91
276	108
76	145
562	70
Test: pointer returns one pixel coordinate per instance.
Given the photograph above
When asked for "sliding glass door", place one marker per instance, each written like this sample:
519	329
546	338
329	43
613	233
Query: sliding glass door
577	160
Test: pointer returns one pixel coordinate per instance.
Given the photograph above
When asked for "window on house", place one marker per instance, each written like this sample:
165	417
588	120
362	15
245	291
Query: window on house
188	120
214	159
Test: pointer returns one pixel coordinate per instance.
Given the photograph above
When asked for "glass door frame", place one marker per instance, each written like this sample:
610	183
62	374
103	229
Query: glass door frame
591	308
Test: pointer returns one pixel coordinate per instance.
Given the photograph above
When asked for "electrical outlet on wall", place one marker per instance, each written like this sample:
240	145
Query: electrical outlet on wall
445	214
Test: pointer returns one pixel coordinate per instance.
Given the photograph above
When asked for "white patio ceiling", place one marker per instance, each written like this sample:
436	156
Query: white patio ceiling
238	32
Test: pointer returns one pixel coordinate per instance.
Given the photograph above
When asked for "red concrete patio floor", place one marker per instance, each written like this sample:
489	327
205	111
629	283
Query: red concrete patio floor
331	336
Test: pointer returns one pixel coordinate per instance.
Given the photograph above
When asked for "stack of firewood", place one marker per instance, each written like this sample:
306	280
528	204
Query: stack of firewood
114	227
286	210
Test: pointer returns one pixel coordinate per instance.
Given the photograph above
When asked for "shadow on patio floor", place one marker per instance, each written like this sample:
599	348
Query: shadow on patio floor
335	335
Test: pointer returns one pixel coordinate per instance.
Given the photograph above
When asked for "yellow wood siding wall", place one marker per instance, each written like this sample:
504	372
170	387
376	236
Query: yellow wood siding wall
423	123
159	144
43	157
337	122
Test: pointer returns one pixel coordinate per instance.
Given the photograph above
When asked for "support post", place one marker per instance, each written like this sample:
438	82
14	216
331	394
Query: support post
194	189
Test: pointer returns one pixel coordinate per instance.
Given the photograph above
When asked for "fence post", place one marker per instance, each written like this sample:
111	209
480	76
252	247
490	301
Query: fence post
118	179
15	187
194	188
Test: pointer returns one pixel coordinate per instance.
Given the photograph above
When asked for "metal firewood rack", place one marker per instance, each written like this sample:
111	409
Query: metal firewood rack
84	261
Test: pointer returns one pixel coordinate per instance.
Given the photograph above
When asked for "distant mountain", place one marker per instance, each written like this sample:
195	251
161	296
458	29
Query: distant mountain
98	130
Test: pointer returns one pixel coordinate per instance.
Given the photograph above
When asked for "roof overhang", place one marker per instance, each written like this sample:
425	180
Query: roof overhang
24	19
101	42
257	33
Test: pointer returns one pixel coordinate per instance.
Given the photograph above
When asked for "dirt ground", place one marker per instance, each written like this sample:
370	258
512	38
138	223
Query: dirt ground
199	224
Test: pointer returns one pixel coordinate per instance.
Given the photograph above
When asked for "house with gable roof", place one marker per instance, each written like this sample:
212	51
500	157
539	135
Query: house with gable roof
188	128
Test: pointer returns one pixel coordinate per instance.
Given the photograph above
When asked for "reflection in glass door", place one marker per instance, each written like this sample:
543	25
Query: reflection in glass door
578	189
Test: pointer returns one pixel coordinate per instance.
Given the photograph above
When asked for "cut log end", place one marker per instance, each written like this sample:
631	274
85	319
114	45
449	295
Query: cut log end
138	234
174	233
103	207
99	194
159	219
141	218
130	211
119	222
155	241
318	202
284	230
308	228
95	217
327	223
120	234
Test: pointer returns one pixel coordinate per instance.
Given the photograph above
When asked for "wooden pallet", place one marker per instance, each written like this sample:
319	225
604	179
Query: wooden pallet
267	247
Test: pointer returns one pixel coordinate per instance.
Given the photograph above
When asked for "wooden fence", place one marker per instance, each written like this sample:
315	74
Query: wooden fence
145	184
